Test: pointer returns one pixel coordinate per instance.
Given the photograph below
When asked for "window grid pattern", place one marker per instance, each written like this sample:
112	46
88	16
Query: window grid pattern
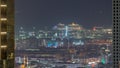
116	33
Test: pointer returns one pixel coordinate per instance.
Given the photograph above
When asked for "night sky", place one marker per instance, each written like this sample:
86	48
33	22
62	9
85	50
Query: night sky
41	13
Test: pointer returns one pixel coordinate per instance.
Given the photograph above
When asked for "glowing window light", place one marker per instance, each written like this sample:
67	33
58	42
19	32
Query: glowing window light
3	32
3	46
3	19
3	5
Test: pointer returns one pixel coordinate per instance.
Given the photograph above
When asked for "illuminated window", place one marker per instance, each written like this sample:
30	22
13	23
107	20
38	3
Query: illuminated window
3	19
3	5
3	46
3	32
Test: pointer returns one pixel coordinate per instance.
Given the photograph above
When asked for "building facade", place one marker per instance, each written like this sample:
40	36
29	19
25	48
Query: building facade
116	33
7	34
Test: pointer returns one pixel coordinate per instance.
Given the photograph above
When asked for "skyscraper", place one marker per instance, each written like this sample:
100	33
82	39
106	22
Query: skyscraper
7	34
116	33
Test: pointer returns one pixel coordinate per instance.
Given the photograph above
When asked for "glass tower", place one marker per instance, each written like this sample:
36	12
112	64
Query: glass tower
6	33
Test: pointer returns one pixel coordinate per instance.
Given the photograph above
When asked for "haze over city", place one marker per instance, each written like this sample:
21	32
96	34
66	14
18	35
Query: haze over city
41	13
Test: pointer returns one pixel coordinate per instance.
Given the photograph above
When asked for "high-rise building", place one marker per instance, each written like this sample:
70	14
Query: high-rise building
6	33
22	33
116	33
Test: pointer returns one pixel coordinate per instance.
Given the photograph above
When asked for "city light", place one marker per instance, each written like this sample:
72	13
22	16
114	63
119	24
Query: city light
3	46
75	44
3	19
61	34
3	33
3	5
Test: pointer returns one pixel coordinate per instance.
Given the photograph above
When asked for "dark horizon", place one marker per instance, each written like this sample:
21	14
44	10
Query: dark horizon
41	13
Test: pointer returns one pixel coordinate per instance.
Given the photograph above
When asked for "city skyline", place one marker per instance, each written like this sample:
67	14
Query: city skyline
52	28
63	33
97	13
